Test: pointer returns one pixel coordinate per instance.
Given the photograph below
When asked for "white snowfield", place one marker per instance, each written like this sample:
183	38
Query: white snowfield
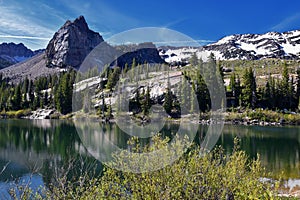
268	45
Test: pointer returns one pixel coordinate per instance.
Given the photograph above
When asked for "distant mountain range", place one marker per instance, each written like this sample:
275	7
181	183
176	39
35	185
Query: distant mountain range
68	49
11	53
241	46
74	41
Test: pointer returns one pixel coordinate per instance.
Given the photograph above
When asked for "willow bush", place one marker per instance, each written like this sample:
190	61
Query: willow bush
214	175
194	176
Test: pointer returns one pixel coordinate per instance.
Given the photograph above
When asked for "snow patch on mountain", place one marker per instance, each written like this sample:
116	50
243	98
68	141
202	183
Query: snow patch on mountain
242	46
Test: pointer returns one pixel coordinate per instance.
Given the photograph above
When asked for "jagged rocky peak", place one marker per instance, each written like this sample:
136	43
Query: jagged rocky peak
71	44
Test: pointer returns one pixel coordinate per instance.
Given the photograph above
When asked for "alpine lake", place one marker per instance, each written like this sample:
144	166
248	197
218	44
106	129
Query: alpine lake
34	150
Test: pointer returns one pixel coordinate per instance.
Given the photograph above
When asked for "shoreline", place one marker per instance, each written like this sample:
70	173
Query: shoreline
246	118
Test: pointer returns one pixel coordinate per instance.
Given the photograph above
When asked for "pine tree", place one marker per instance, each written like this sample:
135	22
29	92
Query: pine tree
64	94
185	94
267	95
31	94
291	94
298	85
284	88
133	66
193	100
46	100
194	60
146	104
113	78
168	100
17	98
249	91
137	98
238	92
232	82
202	94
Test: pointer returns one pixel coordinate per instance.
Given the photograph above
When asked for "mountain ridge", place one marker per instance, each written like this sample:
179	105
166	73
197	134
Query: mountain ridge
284	45
12	53
69	48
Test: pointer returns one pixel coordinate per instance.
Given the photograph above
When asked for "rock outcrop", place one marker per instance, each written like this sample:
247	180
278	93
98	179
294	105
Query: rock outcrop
142	53
71	44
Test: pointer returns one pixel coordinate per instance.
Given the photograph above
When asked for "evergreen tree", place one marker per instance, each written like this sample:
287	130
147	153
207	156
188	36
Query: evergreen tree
36	101
193	100
298	85
113	78
291	94
31	94
238	92
146	102
168	100
249	91
17	98
202	94
133	66
194	60
284	88
64	94
137	98
232	82
46	100
267	95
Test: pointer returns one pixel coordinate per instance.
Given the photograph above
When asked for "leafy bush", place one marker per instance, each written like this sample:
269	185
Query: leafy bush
194	176
212	176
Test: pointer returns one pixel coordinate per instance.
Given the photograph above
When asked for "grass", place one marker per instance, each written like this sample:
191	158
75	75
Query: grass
15	114
263	115
262	68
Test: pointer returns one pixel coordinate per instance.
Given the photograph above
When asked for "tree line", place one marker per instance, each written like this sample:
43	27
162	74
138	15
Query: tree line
53	91
276	93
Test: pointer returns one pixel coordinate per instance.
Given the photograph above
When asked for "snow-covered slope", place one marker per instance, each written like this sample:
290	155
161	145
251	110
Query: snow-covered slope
241	46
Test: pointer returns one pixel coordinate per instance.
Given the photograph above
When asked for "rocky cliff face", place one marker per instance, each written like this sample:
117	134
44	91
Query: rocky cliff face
71	44
142	53
69	47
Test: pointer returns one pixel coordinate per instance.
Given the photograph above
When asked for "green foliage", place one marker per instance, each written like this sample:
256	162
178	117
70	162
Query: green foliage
29	94
64	92
17	98
194	176
113	78
146	103
249	91
194	59
168	99
15	114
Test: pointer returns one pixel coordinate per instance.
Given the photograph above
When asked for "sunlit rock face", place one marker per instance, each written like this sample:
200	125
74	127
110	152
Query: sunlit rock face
71	44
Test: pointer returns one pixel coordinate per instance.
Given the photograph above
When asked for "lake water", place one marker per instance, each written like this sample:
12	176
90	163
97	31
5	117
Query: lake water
33	150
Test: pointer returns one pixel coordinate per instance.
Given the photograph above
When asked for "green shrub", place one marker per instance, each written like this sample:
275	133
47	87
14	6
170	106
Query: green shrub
213	176
16	114
194	176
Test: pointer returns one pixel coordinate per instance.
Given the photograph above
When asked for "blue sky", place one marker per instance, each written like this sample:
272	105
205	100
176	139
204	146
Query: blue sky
34	22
